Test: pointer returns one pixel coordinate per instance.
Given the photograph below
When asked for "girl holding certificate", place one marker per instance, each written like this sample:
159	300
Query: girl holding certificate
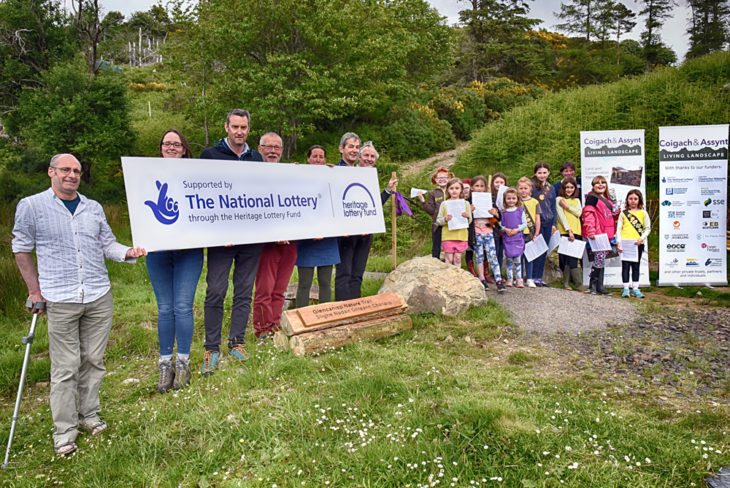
454	241
569	227
634	226
598	217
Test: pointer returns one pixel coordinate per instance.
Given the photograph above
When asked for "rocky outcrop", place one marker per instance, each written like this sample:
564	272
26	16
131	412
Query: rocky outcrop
429	285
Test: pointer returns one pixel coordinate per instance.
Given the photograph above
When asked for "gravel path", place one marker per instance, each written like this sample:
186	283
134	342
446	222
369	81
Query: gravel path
548	310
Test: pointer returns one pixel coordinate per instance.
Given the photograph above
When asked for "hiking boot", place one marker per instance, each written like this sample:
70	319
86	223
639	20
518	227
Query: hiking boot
238	352
637	293
210	362
500	286
182	374
167	376
264	338
625	293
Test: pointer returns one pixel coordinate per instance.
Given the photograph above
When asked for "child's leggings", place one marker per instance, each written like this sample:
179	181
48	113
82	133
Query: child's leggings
485	245
517	263
634	268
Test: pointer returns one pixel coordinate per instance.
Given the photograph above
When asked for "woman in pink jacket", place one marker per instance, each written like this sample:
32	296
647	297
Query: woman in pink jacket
599	217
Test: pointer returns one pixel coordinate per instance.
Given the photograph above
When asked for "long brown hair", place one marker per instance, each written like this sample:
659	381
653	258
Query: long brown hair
597	179
569	180
187	153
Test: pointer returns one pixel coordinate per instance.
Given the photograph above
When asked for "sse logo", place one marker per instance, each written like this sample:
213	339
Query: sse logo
711	201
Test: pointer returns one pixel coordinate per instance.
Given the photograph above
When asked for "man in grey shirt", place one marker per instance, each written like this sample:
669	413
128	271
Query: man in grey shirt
71	238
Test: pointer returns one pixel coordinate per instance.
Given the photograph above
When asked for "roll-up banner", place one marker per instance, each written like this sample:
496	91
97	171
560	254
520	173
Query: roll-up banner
189	203
693	168
618	156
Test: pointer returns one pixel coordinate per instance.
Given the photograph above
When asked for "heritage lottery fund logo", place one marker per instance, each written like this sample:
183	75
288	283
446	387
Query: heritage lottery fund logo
358	202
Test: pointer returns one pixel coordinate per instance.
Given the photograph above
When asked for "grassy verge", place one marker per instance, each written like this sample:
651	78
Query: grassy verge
449	403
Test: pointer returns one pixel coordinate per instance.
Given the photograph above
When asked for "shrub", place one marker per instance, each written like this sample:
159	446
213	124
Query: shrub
416	132
461	107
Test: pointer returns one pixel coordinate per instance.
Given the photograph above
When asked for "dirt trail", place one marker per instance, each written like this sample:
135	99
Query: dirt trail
446	158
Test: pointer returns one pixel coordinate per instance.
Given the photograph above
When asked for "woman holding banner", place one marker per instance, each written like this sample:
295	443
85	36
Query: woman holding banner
174	276
321	254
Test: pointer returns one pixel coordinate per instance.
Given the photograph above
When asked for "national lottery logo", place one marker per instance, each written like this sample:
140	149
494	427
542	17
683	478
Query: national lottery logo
165	209
358	202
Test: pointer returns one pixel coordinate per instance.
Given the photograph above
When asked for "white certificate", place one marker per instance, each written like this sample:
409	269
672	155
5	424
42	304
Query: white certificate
573	249
417	191
482	201
535	248
554	241
630	251
500	197
455	208
600	243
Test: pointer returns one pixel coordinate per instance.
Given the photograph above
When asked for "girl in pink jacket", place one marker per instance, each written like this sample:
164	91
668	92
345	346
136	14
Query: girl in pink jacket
599	217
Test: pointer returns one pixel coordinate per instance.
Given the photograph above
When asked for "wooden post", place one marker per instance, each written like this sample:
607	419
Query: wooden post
393	226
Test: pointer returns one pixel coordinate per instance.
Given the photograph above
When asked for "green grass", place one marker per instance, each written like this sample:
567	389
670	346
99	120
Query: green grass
449	400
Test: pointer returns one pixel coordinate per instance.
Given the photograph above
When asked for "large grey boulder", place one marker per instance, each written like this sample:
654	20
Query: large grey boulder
429	285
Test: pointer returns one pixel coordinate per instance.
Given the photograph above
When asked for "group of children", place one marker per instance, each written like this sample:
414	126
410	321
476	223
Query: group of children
535	207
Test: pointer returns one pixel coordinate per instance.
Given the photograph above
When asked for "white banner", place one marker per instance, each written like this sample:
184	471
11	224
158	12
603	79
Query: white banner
618	156
190	203
693	165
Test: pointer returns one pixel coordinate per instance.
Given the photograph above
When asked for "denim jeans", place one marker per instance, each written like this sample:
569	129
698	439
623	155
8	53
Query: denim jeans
174	276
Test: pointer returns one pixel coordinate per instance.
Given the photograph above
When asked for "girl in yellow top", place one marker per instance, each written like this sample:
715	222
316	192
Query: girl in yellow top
569	226
453	242
532	212
633	225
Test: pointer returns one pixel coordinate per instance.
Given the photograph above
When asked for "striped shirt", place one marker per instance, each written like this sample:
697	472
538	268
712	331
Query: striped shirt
70	248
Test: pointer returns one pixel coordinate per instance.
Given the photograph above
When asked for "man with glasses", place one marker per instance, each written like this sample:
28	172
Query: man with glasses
220	259
276	265
71	238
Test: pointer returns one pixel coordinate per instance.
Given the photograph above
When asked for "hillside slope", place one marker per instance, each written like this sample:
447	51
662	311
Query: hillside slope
548	129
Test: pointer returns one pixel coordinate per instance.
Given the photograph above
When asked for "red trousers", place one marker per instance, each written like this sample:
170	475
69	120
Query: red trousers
275	269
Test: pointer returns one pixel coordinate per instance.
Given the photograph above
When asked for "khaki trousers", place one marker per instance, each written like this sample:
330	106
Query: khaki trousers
77	338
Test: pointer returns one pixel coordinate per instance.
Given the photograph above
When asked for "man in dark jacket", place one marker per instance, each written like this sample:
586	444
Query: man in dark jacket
220	259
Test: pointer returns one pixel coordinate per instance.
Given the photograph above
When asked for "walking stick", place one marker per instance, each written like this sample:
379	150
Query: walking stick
37	308
394	236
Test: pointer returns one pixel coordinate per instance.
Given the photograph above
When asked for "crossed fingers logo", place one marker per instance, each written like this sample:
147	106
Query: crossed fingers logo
165	210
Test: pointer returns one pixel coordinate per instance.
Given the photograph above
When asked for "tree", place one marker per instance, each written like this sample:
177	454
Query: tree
33	36
605	15
624	20
496	41
709	27
88	23
578	17
656	11
75	111
296	63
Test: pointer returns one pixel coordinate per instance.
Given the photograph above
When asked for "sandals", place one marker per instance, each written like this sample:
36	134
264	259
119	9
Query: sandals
95	427
65	449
